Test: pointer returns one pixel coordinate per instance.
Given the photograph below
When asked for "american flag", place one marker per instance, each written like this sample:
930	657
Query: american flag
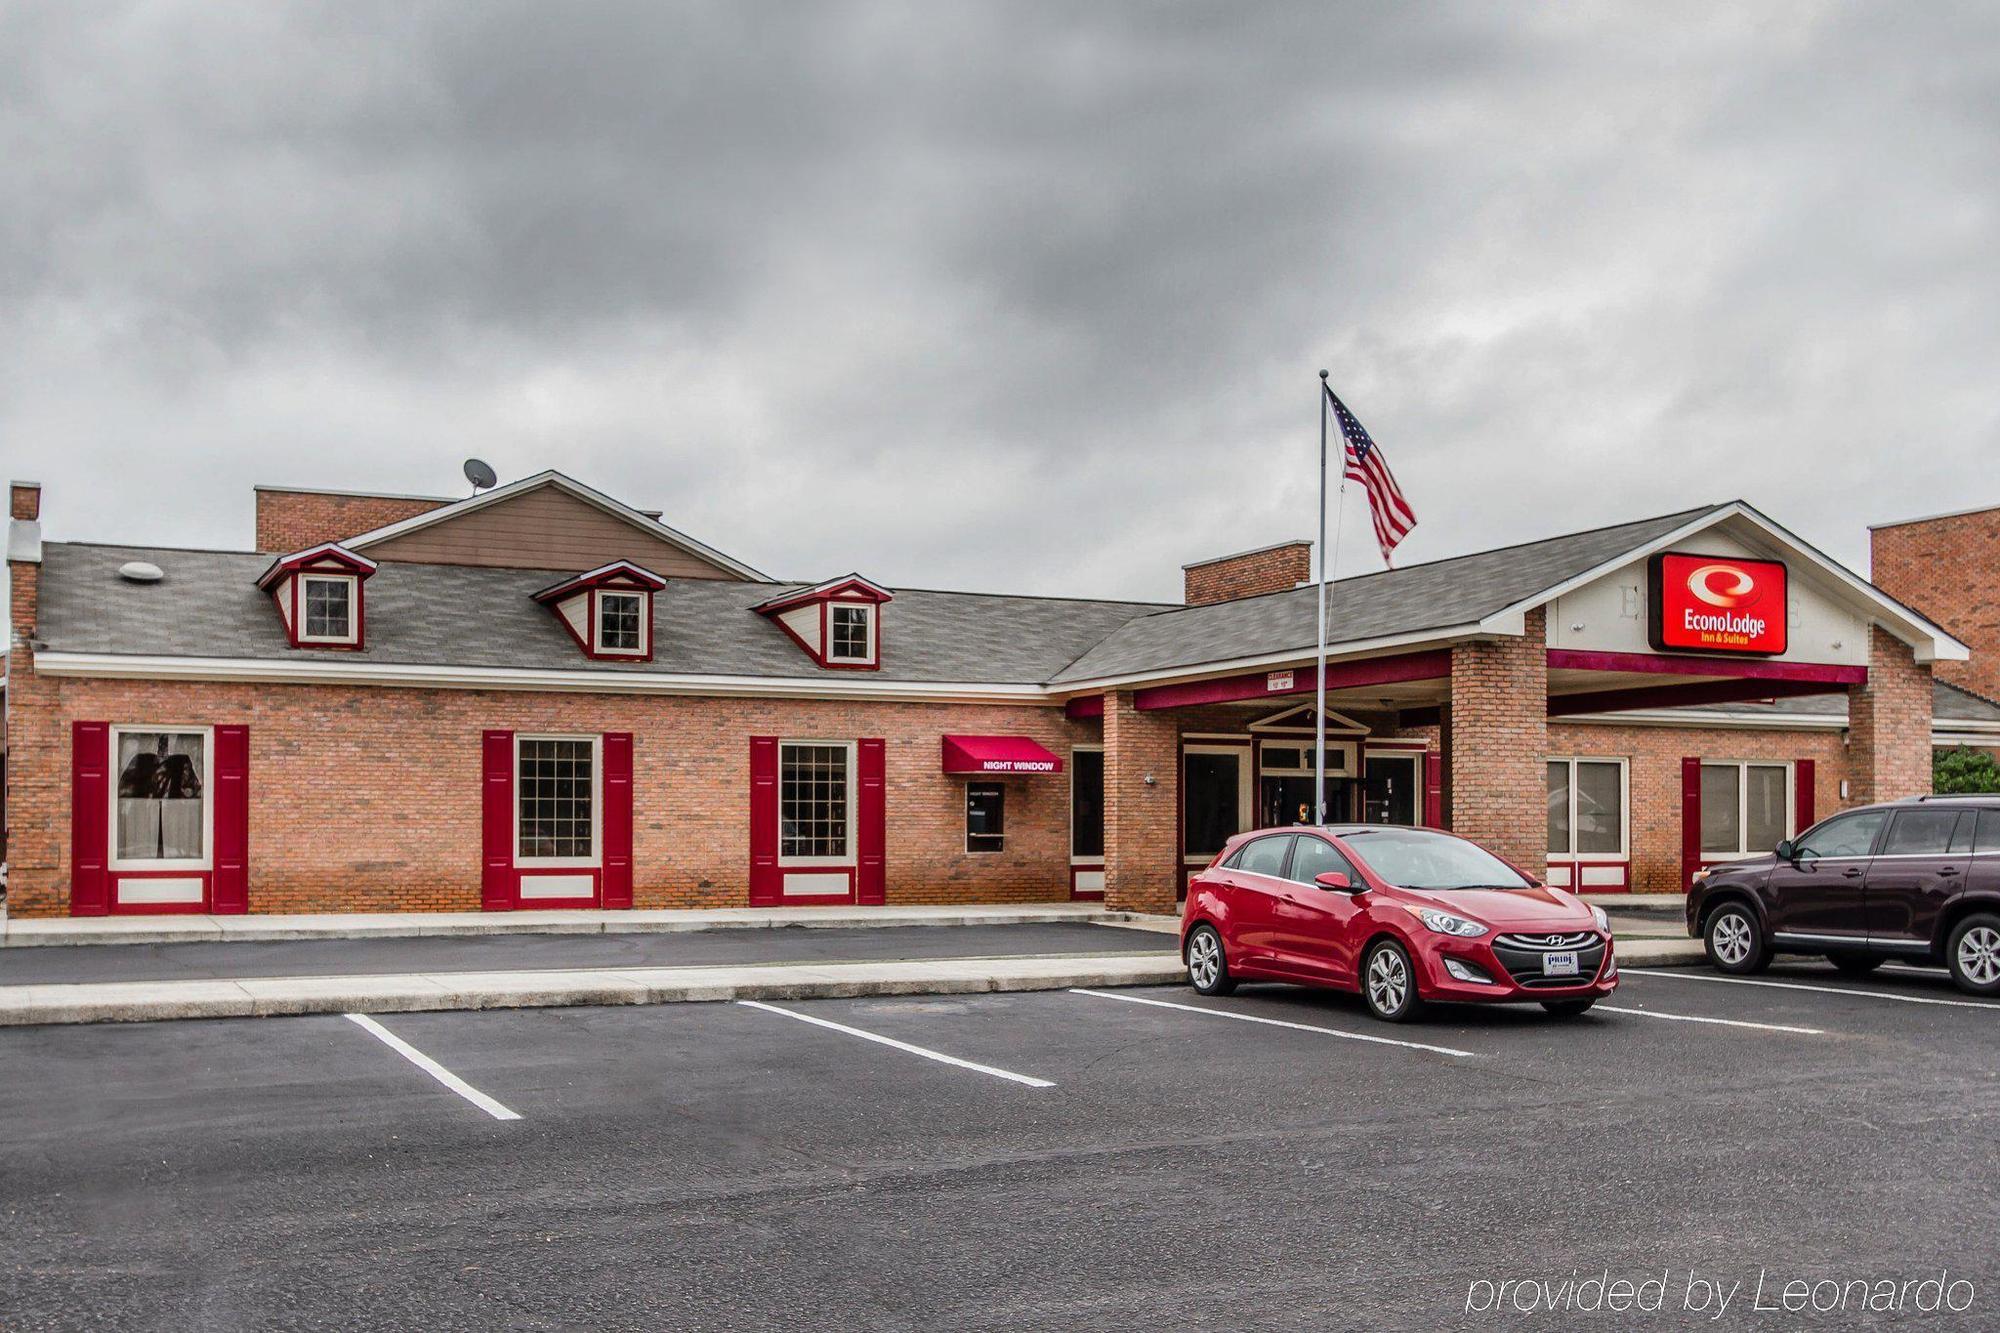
1392	513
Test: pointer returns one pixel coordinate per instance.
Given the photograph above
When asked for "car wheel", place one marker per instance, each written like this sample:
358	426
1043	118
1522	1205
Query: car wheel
1389	983
1974	955
1735	941
1569	1008
1207	965
1854	964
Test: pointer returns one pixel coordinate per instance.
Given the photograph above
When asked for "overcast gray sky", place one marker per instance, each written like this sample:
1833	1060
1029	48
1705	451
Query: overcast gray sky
1003	296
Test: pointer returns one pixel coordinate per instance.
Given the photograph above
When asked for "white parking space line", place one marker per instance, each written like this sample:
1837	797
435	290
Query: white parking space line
433	1068
1801	985
1278	1023
881	1040
1719	1022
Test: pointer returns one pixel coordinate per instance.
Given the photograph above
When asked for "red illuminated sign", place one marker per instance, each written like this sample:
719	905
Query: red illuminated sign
1717	604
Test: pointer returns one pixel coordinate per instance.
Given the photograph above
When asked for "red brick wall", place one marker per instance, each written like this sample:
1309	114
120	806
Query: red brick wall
1889	724
1653	773
367	799
1141	822
1235	576
294	520
24	500
1949	569
1497	742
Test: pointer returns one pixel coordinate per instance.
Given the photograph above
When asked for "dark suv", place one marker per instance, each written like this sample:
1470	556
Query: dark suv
1916	879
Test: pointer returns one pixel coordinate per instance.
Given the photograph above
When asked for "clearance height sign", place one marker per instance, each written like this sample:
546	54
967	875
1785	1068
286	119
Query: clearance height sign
1716	604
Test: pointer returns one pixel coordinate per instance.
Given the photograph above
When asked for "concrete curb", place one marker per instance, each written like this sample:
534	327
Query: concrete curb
262	997
401	925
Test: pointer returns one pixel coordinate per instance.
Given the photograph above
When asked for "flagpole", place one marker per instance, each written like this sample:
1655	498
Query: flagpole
1319	643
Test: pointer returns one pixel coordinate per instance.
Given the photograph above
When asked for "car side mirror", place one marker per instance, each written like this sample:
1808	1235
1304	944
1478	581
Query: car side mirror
1335	881
1787	851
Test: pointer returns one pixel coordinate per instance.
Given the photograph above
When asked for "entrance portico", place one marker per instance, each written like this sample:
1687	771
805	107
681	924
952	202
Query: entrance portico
1456	726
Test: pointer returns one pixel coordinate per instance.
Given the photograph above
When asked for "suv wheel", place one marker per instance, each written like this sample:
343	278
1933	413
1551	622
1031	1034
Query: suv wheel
1389	984
1854	964
1974	955
1207	965
1735	941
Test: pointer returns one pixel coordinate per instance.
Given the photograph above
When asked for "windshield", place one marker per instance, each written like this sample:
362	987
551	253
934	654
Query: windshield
1414	859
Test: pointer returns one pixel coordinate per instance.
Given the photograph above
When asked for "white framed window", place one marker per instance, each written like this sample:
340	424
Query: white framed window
850	632
162	805
1589	809
1218	800
816	803
327	608
621	622
558	806
985	817
1295	758
1746	807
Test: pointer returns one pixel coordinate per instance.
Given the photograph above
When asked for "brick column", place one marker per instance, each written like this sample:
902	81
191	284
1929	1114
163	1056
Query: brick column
37	797
1889	724
1497	745
1141	843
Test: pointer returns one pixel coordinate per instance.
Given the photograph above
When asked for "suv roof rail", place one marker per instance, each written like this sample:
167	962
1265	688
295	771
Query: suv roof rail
1958	796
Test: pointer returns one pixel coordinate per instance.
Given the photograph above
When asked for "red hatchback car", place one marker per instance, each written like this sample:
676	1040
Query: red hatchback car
1405	916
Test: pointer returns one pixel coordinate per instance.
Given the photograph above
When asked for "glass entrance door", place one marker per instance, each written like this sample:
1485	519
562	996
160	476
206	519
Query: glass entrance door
1288	798
1391	783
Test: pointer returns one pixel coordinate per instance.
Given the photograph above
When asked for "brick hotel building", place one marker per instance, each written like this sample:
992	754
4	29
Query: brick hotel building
541	696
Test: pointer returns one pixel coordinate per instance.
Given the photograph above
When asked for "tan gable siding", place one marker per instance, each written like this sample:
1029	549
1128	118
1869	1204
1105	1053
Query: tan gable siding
543	529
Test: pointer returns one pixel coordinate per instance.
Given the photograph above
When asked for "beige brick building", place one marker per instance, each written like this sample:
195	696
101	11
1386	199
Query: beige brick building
543	696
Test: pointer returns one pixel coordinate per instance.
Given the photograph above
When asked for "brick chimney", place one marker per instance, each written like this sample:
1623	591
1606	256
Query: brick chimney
1948	568
24	500
1248	573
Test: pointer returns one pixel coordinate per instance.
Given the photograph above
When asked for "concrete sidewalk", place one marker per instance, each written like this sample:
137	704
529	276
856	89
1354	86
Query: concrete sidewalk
391	925
246	997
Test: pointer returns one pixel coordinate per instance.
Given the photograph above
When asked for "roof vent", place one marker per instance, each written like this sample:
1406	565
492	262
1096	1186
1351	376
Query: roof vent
140	571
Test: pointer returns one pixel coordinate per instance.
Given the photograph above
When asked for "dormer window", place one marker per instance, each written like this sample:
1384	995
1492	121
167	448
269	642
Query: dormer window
621	626
608	611
850	632
329	603
838	623
318	595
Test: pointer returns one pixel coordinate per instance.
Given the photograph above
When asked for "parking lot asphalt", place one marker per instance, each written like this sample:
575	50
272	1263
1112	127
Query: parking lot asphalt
1142	1158
505	953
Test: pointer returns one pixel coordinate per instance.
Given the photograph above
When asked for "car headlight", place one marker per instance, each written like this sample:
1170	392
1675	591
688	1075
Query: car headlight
1597	915
1444	923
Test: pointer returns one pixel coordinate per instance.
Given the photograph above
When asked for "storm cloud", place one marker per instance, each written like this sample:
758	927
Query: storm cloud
1023	297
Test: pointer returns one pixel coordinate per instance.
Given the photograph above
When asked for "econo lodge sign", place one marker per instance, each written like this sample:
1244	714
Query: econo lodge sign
1716	604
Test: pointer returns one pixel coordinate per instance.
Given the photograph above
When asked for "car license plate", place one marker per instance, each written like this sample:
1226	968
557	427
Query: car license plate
1559	964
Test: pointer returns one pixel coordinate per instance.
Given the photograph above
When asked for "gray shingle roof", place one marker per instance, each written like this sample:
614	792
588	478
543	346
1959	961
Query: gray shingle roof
208	605
1397	601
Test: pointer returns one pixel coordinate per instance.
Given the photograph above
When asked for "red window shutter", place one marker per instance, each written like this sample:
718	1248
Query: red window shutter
1690	820
871	883
499	887
766	884
1433	789
1803	774
617	819
230	894
89	818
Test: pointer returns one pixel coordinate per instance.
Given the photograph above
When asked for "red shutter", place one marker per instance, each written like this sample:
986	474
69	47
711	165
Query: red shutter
1434	788
230	894
499	887
1690	820
1803	774
89	817
617	819
871	882
766	884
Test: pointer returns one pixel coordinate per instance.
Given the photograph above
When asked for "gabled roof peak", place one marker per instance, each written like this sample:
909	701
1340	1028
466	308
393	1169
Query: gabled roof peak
620	572
326	553
849	587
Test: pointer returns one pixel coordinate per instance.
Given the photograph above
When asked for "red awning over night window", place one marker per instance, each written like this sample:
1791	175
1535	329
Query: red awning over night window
997	754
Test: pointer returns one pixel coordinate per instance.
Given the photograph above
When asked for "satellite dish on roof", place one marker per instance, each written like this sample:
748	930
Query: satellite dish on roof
479	474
